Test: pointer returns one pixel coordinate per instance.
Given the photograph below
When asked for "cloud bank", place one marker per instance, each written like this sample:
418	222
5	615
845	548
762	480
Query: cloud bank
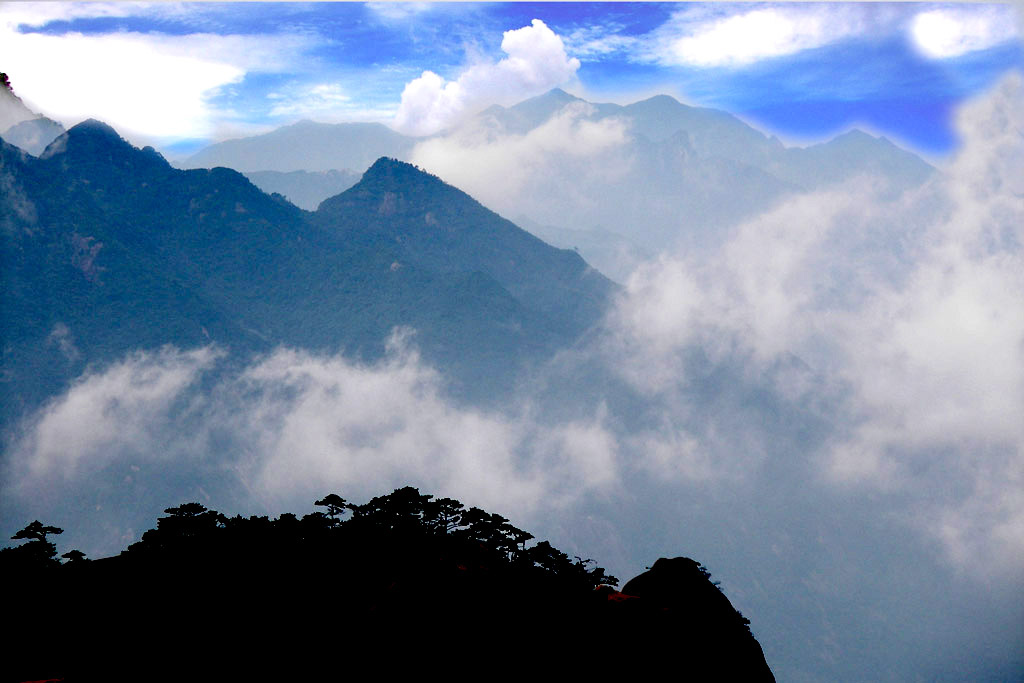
900	318
536	62
151	85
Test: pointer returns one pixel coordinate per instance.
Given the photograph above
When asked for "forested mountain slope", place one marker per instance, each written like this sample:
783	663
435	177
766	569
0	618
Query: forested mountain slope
108	249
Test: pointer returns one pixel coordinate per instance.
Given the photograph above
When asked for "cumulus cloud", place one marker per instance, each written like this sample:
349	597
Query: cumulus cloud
536	62
955	31
152	85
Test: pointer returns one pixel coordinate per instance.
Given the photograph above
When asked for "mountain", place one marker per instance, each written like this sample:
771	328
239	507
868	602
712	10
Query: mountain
306	146
34	135
852	153
12	110
22	127
708	132
285	587
438	227
617	254
523	117
305	189
106	249
678	177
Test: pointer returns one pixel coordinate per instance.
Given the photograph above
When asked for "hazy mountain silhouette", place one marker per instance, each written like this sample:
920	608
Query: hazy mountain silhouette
34	135
439	227
306	146
107	248
304	189
22	127
680	176
523	117
12	110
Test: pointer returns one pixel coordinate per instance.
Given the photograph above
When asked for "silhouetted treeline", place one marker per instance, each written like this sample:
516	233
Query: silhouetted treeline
405	582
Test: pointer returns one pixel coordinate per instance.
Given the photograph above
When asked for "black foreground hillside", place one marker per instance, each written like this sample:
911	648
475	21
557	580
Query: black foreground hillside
403	584
106	249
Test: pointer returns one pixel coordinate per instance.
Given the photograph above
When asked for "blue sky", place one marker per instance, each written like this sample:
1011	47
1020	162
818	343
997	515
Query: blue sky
179	75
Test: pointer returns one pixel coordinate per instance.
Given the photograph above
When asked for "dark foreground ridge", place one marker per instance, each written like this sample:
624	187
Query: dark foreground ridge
405	583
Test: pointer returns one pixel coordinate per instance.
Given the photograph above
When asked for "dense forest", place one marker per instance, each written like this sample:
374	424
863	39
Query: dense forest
402	582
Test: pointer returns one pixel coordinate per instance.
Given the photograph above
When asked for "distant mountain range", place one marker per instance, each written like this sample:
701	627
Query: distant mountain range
680	174
306	146
106	249
304	189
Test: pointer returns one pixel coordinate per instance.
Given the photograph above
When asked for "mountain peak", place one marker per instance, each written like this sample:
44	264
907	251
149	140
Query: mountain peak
387	170
95	145
88	137
556	97
558	93
92	128
855	134
391	184
660	103
662	99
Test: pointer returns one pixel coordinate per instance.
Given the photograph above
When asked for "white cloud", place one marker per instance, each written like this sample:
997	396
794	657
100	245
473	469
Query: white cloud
318	422
321	102
536	62
906	317
399	11
951	32
498	168
729	38
293	424
37	14
598	41
124	408
146	84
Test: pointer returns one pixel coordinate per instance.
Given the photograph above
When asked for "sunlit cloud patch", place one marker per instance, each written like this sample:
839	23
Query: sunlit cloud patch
536	62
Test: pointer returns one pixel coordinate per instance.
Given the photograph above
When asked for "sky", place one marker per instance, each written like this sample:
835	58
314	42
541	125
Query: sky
823	405
182	74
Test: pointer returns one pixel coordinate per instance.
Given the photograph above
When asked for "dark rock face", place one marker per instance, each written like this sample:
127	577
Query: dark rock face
407	584
677	608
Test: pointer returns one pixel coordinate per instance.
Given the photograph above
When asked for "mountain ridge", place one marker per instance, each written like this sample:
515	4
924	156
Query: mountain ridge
305	146
409	557
112	249
675	177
